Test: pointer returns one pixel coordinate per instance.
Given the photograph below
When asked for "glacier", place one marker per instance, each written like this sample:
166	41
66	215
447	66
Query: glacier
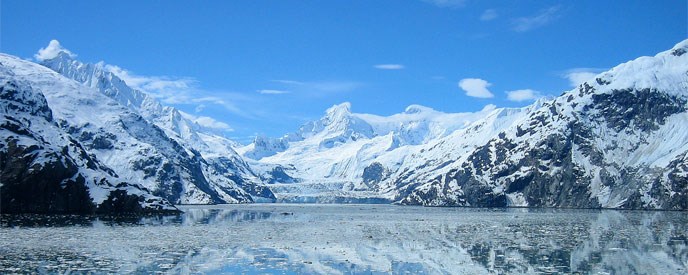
618	140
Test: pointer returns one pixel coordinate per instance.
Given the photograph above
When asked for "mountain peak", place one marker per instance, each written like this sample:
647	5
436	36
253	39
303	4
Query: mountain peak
416	109
680	48
52	51
342	108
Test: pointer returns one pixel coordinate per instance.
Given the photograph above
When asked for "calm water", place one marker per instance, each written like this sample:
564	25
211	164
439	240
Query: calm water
331	239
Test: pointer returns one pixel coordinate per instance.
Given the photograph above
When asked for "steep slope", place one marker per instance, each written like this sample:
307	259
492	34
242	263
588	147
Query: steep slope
620	141
45	170
201	167
343	156
428	161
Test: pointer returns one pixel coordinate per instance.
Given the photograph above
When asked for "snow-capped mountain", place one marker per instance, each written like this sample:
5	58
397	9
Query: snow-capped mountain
44	169
344	156
619	141
138	138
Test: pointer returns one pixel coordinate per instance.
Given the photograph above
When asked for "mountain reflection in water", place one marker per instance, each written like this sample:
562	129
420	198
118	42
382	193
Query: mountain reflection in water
283	238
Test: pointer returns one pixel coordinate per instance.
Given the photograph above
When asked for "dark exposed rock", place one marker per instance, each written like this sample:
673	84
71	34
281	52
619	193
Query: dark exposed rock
279	175
678	52
44	170
602	81
374	174
542	171
123	203
51	187
643	109
20	101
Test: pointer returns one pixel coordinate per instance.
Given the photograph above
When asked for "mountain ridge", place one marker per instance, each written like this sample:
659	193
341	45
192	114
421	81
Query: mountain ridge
614	129
45	170
619	140
227	177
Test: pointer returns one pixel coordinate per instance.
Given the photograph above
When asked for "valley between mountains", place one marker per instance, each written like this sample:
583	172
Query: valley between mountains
75	138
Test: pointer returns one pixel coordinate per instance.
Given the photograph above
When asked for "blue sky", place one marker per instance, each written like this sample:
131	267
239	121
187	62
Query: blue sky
266	67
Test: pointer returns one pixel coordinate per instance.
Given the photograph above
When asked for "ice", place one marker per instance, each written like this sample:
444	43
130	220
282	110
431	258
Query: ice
344	239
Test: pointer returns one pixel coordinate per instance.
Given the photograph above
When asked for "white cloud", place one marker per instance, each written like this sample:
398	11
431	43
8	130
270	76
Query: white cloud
289	82
208	122
211	123
544	17
523	95
489	107
180	91
51	51
489	14
272	92
577	78
151	84
447	3
389	66
476	87
229	106
579	75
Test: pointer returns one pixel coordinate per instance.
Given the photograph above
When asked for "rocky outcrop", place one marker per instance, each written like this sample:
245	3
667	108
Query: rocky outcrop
44	170
616	142
155	145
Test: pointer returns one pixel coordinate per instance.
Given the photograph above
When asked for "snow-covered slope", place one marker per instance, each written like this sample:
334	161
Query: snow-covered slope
225	172
346	155
43	169
620	141
141	140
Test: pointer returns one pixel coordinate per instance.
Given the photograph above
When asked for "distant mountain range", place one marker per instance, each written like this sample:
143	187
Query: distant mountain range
75	138
619	140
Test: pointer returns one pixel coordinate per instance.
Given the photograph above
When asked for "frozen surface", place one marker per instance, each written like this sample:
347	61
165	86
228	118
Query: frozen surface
334	239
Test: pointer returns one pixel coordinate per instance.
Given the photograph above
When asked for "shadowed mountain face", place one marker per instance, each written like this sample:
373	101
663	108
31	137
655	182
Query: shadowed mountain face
45	170
171	155
75	147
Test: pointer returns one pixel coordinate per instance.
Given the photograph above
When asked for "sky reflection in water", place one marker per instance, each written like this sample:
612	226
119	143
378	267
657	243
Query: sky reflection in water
280	238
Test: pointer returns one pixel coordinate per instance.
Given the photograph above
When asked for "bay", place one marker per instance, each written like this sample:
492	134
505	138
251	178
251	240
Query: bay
336	239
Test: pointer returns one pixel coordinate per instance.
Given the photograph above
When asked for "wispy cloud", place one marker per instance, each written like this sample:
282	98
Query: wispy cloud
151	84
272	92
289	82
542	18
489	107
447	3
523	95
488	15
51	51
389	66
181	91
476	87
208	122
227	100
577	76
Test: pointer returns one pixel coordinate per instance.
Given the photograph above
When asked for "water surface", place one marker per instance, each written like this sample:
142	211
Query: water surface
331	239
